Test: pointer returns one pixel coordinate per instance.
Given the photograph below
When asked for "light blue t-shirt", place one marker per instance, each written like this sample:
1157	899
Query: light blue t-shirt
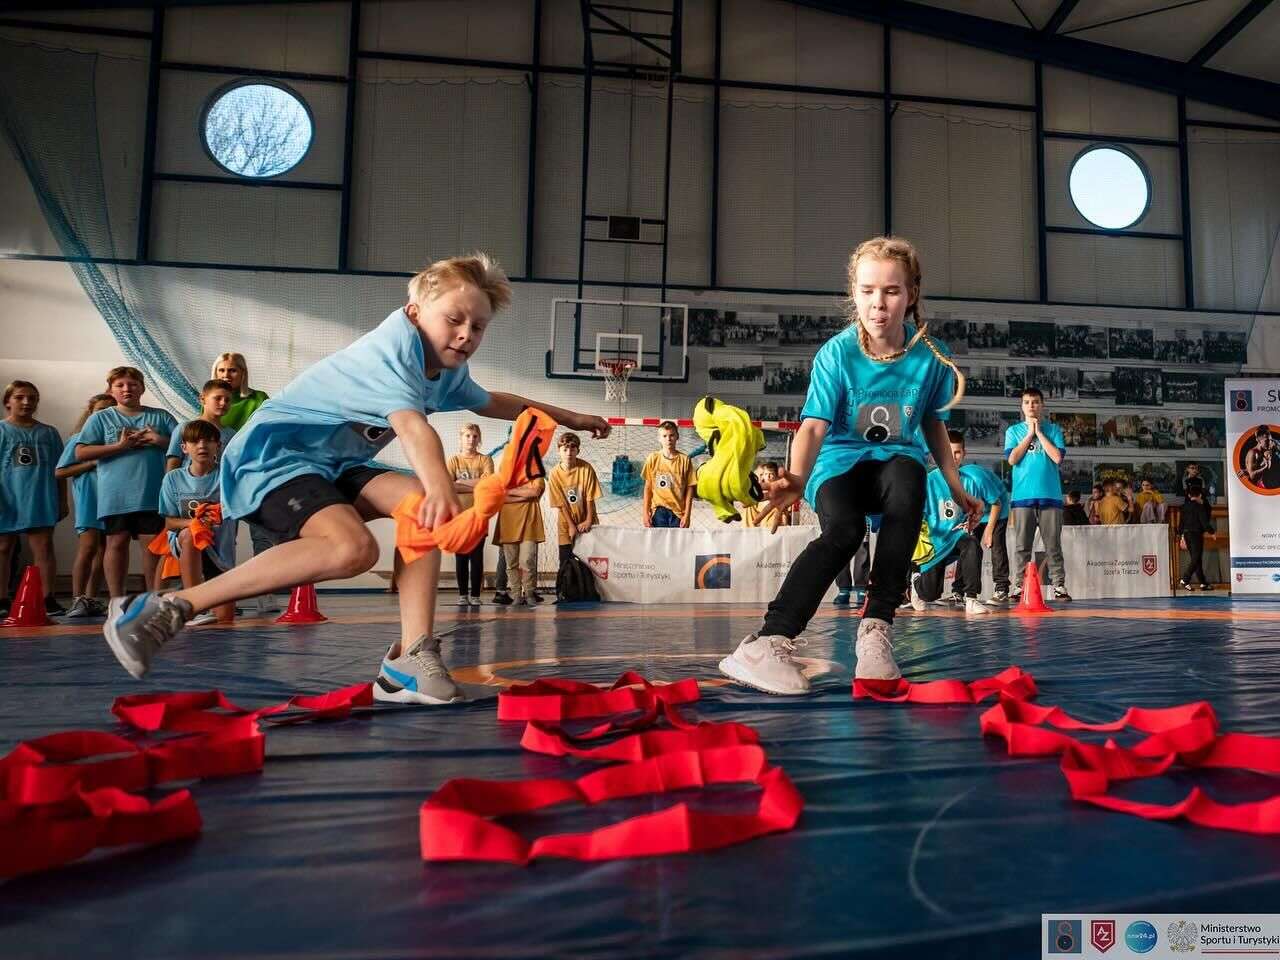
28	488
334	415
1036	480
128	482
945	517
180	493
875	410
84	487
987	487
175	442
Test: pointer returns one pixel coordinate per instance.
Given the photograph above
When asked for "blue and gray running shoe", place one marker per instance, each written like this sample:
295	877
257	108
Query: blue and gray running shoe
140	624
418	675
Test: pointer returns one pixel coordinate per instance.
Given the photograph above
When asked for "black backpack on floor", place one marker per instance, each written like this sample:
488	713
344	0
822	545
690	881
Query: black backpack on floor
575	582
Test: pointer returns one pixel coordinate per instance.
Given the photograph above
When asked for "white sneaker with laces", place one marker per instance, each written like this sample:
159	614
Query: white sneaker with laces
766	664
917	602
875	651
462	600
200	619
975	607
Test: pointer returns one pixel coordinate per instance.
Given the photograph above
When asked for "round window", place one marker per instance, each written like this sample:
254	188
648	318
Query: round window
1110	187
257	129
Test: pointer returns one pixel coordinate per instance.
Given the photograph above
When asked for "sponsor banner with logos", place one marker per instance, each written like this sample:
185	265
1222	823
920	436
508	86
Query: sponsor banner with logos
1102	563
722	565
1158	936
1253	484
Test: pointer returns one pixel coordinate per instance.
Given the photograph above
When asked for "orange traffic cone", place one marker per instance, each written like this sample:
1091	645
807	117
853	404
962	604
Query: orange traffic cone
1032	596
28	605
303	607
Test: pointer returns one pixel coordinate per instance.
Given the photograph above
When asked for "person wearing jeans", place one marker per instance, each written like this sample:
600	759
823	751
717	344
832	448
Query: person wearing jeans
1035	448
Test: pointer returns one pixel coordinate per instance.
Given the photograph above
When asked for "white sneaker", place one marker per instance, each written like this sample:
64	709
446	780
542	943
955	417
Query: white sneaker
766	664
975	607
475	602
875	652
199	620
462	600
917	602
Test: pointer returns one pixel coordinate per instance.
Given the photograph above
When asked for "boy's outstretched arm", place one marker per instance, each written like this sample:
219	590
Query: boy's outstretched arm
425	454
507	406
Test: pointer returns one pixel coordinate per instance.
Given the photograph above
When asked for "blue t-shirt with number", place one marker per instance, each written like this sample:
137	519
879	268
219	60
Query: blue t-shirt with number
180	494
987	487
1036	481
128	482
945	517
28	489
875	410
334	415
84	488
175	442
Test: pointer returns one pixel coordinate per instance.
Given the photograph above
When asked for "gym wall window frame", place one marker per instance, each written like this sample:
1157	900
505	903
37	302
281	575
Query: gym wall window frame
1143	169
221	92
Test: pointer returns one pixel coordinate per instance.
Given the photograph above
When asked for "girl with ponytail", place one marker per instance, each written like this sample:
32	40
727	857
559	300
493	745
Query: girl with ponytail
879	396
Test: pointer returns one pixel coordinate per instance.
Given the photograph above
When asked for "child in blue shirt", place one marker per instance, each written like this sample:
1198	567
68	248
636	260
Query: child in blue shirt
1034	448
952	543
127	442
32	500
181	493
879	393
992	532
215	398
300	468
86	571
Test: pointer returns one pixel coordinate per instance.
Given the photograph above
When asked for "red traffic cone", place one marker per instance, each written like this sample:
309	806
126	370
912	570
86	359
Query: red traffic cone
1032	596
303	607
28	605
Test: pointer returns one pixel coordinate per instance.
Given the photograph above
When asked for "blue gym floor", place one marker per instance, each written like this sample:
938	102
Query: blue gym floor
918	837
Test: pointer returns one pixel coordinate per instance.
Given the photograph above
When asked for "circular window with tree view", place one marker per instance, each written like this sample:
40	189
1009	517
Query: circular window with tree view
257	129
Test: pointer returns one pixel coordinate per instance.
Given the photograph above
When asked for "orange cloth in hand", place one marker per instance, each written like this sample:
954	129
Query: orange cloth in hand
521	462
159	545
208	516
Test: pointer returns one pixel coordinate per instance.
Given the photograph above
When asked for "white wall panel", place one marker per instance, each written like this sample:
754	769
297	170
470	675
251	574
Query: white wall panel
699	38
1115	270
559	178
562	33
301	38
1079	103
494	30
772	41
931	67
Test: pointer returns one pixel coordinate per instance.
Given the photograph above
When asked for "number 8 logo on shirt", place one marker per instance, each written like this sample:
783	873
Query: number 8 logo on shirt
879	423
24	456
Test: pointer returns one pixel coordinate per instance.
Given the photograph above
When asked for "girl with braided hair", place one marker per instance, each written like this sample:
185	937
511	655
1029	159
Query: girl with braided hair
879	395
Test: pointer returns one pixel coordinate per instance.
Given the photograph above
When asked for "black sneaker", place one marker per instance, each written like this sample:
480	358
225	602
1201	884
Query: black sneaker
1183	585
1015	596
4	609
1000	596
536	597
53	607
502	599
1060	593
1205	586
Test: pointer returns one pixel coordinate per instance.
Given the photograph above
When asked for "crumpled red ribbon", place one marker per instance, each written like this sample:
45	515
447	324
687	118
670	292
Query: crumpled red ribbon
454	822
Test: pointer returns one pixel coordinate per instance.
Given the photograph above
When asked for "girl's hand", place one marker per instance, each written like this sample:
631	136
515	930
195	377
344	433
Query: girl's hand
439	506
784	492
970	505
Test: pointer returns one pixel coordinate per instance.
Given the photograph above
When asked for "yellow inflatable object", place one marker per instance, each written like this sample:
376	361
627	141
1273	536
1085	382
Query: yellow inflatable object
733	444
924	546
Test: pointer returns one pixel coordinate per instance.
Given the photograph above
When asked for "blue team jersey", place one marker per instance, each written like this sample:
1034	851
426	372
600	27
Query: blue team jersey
175	442
334	415
28	489
128	482
875	410
1036	481
987	487
945	517
84	488
180	493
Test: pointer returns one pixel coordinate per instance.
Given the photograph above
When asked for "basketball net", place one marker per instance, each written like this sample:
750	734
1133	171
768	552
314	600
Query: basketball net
616	374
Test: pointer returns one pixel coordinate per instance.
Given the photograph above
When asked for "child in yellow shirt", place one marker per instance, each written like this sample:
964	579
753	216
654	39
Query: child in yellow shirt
574	490
755	515
466	467
668	482
519	532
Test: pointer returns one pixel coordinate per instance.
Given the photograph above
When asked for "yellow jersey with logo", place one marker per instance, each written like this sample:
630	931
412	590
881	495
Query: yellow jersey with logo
469	467
573	491
668	481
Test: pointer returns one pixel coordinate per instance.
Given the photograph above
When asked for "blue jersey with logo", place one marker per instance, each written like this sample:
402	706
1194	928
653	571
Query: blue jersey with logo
180	494
175	442
987	487
128	482
1036	481
28	488
945	517
334	415
84	488
875	410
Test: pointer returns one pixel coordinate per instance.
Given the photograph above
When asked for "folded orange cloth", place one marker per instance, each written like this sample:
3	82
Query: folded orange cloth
521	462
159	545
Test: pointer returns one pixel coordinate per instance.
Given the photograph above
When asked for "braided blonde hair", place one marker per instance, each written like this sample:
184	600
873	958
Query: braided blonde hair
900	250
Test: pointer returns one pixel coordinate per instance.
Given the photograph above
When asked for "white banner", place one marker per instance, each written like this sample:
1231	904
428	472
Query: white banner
1104	562
730	564
1253	484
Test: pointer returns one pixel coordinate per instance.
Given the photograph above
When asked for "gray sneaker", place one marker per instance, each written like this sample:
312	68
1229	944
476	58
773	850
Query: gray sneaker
875	652
766	664
418	675
81	609
140	624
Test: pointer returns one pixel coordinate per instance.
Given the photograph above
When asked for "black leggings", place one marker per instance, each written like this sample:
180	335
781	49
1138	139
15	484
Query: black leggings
470	563
969	555
1195	556
892	488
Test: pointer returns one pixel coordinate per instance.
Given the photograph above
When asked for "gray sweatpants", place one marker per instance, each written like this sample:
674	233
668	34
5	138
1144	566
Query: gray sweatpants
1049	521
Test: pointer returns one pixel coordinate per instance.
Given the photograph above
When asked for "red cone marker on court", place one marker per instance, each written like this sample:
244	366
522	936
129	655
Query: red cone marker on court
303	607
28	605
1032	596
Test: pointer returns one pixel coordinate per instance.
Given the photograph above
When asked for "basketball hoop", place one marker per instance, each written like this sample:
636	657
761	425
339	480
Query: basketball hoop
616	373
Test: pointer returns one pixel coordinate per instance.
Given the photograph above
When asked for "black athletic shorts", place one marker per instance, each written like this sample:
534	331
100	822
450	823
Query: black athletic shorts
141	523
285	509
